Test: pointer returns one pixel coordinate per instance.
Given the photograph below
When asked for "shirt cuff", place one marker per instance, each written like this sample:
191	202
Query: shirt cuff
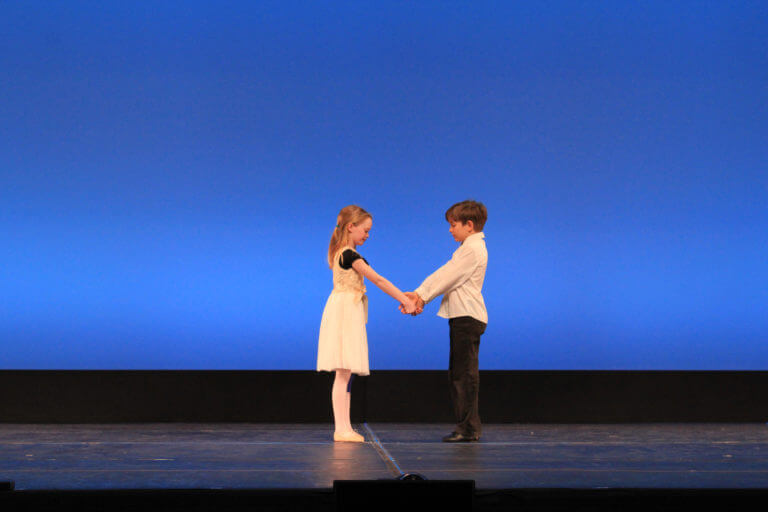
421	293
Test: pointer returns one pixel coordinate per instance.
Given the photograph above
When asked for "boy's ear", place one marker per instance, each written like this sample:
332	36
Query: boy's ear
471	224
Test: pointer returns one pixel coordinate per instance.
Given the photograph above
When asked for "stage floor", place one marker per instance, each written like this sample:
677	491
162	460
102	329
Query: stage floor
303	456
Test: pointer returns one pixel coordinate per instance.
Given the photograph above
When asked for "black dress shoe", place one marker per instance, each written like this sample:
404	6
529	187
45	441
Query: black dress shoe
456	437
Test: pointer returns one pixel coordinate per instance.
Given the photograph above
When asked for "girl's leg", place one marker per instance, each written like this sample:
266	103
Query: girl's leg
340	401
340	397
348	401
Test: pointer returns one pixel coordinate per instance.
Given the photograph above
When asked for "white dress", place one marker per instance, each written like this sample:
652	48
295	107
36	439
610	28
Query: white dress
343	342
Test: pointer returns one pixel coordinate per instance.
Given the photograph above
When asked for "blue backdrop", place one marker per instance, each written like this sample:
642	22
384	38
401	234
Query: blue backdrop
170	173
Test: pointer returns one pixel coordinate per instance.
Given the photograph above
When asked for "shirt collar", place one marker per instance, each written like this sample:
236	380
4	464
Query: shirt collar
474	236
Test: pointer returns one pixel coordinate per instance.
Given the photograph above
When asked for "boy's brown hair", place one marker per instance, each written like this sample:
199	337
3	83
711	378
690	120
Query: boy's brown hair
468	210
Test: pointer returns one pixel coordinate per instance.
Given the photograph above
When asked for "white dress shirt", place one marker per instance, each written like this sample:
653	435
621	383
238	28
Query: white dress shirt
460	281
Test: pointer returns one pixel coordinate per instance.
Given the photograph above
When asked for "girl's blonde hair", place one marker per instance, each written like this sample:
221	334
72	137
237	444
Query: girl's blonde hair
340	237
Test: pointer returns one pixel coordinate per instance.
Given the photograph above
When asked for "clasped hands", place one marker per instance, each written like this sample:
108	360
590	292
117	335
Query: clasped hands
416	307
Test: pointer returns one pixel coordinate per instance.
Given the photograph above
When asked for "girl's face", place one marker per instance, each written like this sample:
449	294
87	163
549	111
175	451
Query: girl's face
358	233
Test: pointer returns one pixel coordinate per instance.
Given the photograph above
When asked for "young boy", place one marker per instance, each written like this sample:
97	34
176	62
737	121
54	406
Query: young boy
460	282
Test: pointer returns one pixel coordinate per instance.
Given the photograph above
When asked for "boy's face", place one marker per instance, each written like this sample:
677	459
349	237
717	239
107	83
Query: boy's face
461	231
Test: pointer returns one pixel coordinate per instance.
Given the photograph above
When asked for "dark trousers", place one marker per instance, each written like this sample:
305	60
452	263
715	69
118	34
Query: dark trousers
465	334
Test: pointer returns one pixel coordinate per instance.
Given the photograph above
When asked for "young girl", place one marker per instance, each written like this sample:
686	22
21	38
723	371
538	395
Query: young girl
343	343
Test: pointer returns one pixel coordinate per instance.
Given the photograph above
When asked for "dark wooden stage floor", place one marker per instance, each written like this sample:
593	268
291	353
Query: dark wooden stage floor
302	456
218	456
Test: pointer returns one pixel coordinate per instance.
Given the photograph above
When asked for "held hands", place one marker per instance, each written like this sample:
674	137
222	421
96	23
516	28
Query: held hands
415	305
408	307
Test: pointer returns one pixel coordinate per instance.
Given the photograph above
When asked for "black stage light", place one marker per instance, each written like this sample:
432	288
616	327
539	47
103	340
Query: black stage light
410	477
7	485
443	495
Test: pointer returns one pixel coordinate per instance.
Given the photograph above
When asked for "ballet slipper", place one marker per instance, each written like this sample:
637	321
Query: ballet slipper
349	437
